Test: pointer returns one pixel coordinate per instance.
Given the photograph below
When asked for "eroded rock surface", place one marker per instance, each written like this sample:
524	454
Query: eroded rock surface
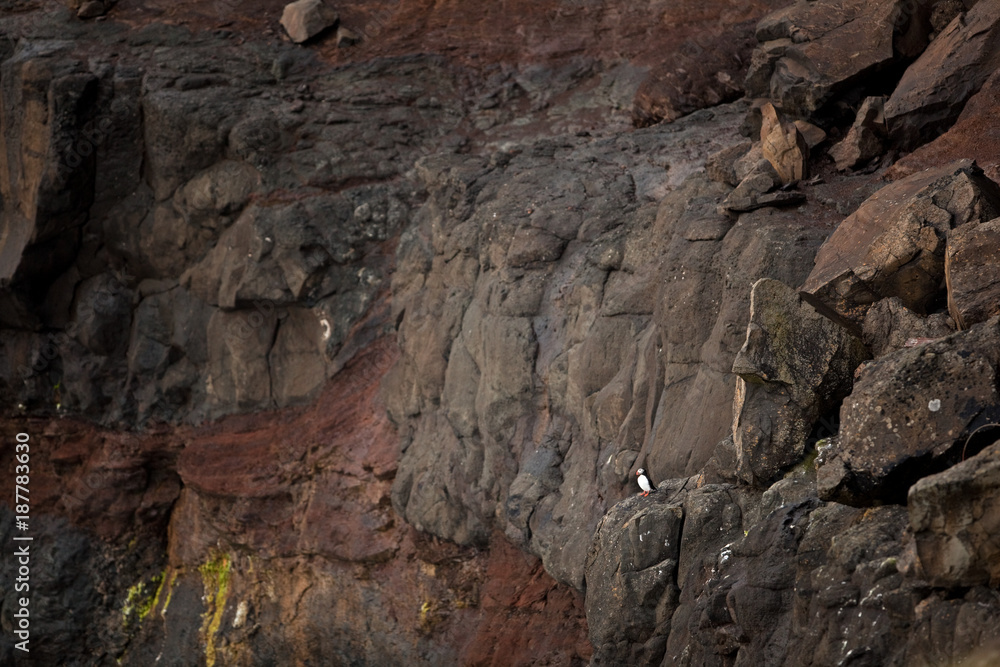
894	244
866	137
954	519
973	282
811	52
305	19
780	579
932	92
795	366
531	382
910	415
380	326
890	326
971	137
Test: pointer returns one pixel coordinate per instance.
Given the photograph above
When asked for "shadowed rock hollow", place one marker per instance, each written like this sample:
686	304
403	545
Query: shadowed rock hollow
347	351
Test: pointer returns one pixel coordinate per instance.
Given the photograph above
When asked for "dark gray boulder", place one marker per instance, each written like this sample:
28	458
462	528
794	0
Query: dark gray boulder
910	415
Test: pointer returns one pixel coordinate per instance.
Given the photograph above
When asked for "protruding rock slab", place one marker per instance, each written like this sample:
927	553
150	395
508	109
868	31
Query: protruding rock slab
757	190
974	136
813	134
632	576
305	19
794	365
810	50
894	244
910	415
46	186
932	92
955	517
972	273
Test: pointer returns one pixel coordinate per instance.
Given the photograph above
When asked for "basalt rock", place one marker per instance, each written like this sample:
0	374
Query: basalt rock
890	326
783	146
753	190
932	92
795	366
601	314
305	19
865	138
756	175
911	414
450	297
894	244
954	516
810	52
721	166
783	579
973	279
633	564
972	136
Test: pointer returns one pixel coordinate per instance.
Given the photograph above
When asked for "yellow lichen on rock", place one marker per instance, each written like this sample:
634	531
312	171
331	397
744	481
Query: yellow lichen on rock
215	574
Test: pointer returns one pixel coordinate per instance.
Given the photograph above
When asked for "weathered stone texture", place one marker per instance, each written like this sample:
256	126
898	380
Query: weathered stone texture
305	19
795	366
894	244
891	326
910	414
972	274
932	92
866	137
809	52
955	518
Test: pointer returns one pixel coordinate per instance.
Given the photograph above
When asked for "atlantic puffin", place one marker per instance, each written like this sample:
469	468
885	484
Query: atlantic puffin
644	482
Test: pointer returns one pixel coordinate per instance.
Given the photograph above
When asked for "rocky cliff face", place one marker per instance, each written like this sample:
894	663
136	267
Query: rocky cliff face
347	352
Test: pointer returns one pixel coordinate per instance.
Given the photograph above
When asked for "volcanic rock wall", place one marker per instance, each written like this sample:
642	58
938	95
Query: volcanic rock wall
347	352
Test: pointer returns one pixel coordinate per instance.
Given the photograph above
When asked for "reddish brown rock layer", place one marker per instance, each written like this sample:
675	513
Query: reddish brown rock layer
975	135
696	53
306	492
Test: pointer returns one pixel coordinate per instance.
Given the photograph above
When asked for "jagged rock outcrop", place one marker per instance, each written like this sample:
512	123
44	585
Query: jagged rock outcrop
749	587
794	367
45	193
865	139
810	53
782	579
932	92
562	368
634	562
910	415
894	244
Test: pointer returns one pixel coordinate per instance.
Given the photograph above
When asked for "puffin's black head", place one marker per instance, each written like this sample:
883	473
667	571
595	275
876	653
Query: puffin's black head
640	471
